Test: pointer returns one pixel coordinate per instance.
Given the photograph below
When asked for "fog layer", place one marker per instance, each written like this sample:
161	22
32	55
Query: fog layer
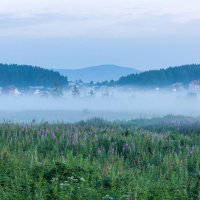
116	104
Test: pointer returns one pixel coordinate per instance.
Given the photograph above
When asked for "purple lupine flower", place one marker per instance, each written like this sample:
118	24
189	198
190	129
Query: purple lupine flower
125	147
53	136
62	138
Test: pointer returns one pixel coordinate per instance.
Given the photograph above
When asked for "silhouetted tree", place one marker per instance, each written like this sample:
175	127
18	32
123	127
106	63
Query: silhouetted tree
75	91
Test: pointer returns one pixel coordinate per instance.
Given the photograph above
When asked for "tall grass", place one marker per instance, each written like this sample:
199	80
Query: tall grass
141	159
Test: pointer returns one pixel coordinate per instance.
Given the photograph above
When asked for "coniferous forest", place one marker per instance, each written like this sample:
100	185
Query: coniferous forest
25	75
163	77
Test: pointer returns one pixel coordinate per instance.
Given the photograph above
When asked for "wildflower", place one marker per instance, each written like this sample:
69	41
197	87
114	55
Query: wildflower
191	151
65	184
53	136
54	179
107	197
72	179
125	147
82	179
124	197
62	138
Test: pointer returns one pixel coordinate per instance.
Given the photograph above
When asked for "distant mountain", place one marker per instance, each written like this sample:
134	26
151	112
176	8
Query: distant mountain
164	77
25	75
97	73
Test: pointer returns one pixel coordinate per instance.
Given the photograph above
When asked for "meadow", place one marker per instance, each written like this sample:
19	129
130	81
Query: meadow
142	159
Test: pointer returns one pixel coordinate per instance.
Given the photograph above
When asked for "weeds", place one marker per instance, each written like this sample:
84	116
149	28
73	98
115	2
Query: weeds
96	159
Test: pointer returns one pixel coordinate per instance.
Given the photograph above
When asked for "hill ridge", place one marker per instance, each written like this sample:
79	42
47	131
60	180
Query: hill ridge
98	73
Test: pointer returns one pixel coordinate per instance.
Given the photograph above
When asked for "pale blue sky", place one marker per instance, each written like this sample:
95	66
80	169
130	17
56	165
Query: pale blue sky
144	34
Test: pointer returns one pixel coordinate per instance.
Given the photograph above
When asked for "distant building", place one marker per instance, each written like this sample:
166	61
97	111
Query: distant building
71	84
195	85
37	92
11	90
176	87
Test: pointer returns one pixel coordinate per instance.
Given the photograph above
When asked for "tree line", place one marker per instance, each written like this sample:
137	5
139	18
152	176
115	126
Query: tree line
163	77
26	75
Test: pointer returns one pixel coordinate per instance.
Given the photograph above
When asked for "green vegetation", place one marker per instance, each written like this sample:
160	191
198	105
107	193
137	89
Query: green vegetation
140	159
163	77
24	76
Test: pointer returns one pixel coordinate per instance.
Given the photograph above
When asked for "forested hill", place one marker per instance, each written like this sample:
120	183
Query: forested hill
97	73
24	76
163	77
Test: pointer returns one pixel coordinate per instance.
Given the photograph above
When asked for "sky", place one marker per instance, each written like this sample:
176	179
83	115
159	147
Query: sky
143	34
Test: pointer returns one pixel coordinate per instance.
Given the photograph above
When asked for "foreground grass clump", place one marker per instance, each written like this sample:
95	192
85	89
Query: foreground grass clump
99	160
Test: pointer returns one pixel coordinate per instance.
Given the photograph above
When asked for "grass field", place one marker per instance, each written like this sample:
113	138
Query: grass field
100	160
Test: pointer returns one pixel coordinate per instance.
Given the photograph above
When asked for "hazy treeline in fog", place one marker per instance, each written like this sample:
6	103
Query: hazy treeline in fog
117	103
147	94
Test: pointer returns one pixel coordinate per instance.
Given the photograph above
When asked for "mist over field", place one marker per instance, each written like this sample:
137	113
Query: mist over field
119	104
99	100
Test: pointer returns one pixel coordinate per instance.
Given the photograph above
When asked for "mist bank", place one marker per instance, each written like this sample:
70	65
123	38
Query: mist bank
120	104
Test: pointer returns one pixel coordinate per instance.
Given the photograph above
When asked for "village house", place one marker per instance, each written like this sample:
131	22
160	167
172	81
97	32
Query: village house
11	90
195	85
176	87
